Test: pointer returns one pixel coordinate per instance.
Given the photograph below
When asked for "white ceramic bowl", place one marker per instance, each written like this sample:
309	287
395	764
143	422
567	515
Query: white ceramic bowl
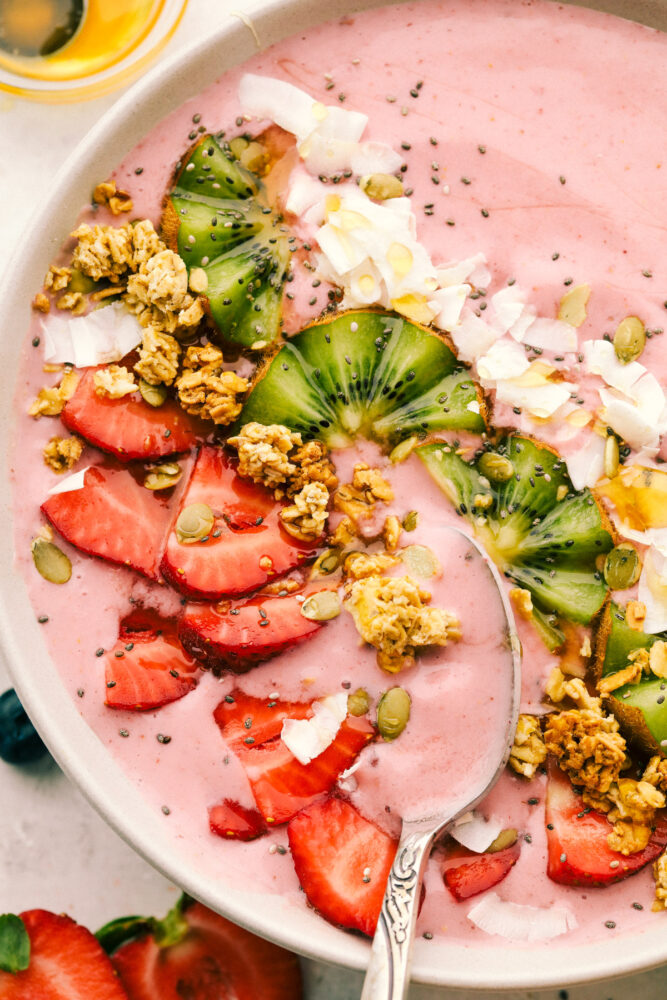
76	748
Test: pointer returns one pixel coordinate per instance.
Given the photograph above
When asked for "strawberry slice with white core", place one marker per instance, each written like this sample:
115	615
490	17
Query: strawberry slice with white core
245	549
343	862
148	667
282	785
115	517
235	637
130	428
577	839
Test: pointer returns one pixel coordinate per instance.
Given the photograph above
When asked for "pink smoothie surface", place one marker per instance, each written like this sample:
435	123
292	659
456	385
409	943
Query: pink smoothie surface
529	134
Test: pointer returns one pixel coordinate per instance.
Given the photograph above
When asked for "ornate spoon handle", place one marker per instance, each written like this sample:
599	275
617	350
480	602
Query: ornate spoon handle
388	973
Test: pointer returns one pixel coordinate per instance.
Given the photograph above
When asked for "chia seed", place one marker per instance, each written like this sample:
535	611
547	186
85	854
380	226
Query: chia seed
43	619
161	738
124	732
166	810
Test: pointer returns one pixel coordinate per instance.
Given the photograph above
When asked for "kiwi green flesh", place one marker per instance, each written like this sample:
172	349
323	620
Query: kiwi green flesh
219	222
364	373
622	640
547	628
545	545
643	707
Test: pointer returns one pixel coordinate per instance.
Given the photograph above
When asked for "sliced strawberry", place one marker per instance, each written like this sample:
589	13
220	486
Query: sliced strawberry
343	862
148	667
115	517
577	839
66	963
247	546
479	872
234	822
282	785
241	717
237	637
129	427
210	959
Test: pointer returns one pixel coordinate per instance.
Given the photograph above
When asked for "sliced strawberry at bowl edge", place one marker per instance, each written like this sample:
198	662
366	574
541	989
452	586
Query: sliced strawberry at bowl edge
578	852
115	517
232	821
247	546
342	861
236	637
478	872
130	428
148	667
282	785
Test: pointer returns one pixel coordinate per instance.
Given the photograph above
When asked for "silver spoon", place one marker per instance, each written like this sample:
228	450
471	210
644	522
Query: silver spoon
388	973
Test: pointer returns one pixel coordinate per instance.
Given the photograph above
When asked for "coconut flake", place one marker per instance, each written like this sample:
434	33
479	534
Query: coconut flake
472	270
551	335
517	922
640	417
448	303
508	305
541	401
601	360
653	589
586	465
472	336
74	482
308	738
475	831
322	155
101	337
503	360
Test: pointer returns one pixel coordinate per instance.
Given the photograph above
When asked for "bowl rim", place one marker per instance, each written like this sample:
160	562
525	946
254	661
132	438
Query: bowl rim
73	744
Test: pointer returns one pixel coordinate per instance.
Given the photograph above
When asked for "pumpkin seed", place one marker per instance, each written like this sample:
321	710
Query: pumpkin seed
611	456
381	186
194	522
497	468
358	702
403	450
506	838
410	521
321	607
326	563
622	567
629	339
420	561
50	561
162	477
393	713
154	395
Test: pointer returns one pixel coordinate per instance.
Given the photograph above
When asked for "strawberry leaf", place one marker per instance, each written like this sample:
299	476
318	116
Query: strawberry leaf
14	944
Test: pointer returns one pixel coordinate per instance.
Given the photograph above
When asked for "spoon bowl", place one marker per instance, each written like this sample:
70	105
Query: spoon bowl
388	973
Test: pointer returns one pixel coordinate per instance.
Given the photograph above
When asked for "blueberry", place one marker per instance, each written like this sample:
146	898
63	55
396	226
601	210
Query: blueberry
19	740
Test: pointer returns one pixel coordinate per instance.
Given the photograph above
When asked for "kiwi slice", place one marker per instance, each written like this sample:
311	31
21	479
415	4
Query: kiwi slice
216	218
640	708
525	511
366	373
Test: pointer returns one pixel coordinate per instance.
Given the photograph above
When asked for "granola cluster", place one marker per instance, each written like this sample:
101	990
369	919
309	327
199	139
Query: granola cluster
159	357
357	501
275	456
391	613
51	400
114	382
108	194
528	750
630	805
641	662
60	453
306	517
205	390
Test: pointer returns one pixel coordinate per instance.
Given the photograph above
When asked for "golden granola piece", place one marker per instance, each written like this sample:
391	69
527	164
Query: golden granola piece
631	674
660	876
359	565
51	400
145	243
635	615
107	193
559	687
655	772
103	251
358	499
312	466
522	601
40	303
115	381
390	614
72	302
344	534
205	390
391	532
657	658
628	837
528	750
306	516
587	746
263	453
57	278
162	281
159	355
60	453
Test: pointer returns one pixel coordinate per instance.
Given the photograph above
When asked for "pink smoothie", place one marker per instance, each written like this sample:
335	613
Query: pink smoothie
551	165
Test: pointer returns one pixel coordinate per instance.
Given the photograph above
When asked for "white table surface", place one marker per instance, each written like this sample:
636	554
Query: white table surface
55	851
